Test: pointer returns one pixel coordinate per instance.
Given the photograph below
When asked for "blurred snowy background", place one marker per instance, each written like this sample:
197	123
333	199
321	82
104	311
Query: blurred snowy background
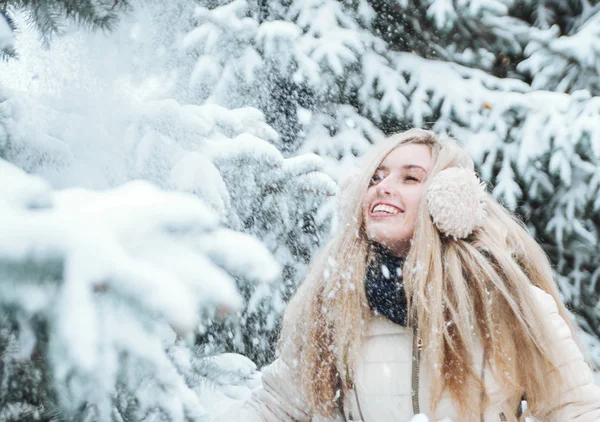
167	171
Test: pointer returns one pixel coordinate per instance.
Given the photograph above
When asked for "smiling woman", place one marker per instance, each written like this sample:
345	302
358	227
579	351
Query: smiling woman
392	199
431	298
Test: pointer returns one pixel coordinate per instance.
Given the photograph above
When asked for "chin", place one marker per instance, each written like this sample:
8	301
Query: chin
384	239
393	241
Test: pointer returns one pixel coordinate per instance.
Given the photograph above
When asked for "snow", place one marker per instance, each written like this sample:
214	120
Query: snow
354	137
238	377
580	46
242	255
442	13
572	56
19	190
190	175
106	236
206	74
276	39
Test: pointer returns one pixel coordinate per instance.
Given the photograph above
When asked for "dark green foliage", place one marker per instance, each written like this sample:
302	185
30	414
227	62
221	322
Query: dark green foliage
26	392
49	17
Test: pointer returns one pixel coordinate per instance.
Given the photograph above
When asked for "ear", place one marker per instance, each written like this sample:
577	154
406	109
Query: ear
456	200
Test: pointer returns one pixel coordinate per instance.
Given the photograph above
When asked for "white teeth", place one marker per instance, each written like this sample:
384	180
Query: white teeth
386	209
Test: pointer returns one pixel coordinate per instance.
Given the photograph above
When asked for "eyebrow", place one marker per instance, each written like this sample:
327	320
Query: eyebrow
406	167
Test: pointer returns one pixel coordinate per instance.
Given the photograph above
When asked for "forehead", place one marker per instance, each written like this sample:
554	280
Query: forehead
408	155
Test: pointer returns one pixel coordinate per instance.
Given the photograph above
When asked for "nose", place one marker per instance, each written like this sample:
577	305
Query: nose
385	187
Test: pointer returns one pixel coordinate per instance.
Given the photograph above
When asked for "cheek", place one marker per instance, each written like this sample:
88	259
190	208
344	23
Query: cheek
413	199
412	205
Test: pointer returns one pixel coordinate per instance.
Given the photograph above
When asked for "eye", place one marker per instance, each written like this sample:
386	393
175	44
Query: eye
377	177
411	179
374	180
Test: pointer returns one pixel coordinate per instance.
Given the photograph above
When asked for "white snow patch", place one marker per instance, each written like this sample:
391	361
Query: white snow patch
21	190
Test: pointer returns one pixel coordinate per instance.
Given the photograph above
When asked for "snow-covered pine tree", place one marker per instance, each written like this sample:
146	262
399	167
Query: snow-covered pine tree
297	61
182	147
283	213
100	291
230	159
220	155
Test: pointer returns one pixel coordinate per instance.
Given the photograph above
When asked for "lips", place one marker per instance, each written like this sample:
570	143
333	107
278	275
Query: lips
385	209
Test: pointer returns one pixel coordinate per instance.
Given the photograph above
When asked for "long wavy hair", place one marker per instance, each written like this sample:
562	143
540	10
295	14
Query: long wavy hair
460	291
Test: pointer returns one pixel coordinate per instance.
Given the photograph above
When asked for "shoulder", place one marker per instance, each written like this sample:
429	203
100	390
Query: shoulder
544	300
549	310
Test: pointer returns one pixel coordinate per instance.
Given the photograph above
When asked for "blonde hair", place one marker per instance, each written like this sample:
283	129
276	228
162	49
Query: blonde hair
459	290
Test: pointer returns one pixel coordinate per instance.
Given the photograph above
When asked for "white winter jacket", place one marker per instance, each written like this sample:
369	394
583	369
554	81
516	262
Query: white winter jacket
383	383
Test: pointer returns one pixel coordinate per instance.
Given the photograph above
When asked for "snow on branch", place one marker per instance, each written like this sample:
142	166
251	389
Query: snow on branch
100	283
564	62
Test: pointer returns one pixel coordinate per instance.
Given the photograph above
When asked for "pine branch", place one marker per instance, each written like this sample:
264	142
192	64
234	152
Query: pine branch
49	17
7	49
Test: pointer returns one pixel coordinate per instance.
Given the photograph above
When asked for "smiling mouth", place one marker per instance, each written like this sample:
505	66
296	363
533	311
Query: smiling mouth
385	210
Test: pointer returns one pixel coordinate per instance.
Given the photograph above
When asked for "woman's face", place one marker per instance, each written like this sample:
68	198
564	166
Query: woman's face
392	199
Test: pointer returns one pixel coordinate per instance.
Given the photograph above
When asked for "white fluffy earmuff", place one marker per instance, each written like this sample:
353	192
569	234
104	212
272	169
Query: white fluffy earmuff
456	201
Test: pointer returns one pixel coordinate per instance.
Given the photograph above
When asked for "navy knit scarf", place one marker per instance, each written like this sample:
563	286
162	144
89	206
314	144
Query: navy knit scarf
384	287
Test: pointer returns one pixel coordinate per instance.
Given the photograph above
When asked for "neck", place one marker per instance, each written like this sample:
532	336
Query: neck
381	249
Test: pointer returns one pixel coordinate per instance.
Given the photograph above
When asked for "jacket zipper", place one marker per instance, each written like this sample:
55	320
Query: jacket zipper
416	362
362	418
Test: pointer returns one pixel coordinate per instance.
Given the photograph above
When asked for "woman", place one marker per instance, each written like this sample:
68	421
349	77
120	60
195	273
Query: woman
431	299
